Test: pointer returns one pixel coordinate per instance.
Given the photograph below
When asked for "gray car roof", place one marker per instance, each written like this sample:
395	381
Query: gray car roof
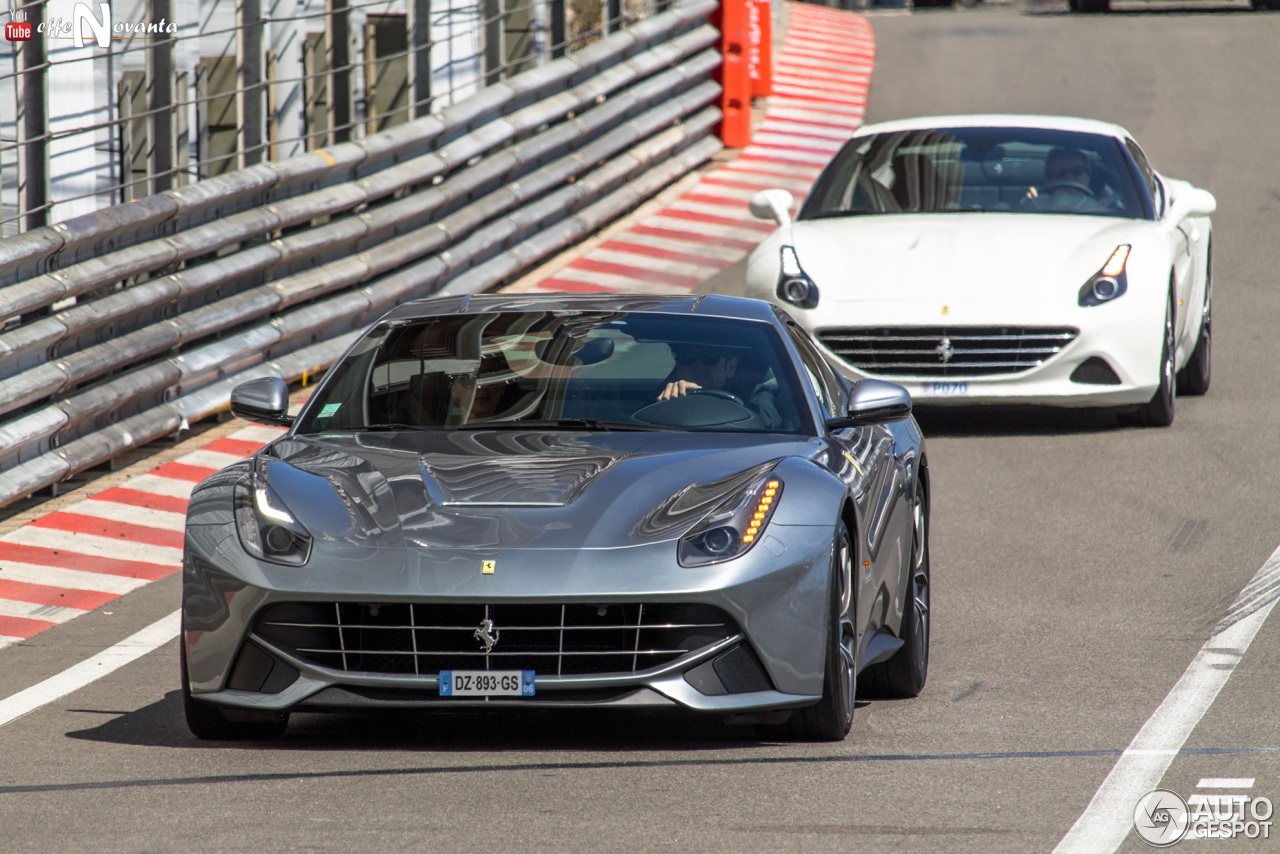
713	305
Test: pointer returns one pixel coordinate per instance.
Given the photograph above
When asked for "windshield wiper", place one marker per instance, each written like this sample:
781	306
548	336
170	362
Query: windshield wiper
841	214
371	428
562	423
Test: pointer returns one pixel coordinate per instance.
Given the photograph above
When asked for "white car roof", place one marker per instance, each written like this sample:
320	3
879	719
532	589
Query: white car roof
1064	123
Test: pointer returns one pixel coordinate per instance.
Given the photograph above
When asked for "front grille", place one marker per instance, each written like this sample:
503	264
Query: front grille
425	638
940	351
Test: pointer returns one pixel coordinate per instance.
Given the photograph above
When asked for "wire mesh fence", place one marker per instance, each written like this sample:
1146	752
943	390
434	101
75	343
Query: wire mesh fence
104	103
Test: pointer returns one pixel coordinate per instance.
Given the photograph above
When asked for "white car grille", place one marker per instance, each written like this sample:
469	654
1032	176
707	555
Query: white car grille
940	351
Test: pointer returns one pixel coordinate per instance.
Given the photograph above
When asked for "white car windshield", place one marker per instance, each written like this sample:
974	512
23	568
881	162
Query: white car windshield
942	170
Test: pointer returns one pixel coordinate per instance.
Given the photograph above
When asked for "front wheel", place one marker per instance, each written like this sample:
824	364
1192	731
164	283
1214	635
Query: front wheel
904	675
1159	411
1194	378
209	722
831	718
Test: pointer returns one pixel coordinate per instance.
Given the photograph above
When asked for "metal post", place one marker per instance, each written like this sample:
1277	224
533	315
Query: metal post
420	57
160	99
338	34
613	16
251	81
33	125
491	10
559	28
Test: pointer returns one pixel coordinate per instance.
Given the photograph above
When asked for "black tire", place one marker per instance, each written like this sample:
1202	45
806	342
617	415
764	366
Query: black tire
904	675
1159	411
1195	376
831	718
1092	7
207	721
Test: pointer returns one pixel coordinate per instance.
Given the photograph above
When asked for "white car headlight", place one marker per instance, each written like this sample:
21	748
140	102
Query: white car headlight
1109	282
794	285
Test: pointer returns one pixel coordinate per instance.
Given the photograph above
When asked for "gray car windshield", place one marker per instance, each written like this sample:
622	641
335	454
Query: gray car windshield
942	170
563	369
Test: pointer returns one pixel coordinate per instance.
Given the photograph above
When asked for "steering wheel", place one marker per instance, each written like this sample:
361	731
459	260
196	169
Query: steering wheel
720	393
1054	186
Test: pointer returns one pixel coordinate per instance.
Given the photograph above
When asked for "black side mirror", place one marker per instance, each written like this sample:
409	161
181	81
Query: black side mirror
264	400
874	402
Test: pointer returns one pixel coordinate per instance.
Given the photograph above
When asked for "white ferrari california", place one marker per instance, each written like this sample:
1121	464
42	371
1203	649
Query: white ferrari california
995	259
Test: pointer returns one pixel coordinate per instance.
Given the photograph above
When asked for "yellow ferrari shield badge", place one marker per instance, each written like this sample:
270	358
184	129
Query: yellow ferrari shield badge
488	566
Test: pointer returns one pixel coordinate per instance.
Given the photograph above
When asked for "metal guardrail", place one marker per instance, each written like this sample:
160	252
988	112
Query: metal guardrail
173	299
102	103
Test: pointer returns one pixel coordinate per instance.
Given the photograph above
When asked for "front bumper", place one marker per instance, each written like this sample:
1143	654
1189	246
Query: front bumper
769	654
1119	344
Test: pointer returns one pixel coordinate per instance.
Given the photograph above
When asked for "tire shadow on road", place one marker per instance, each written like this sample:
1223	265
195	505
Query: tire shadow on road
1016	421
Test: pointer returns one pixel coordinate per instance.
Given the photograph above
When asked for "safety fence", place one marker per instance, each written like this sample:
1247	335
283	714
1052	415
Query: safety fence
124	325
102	103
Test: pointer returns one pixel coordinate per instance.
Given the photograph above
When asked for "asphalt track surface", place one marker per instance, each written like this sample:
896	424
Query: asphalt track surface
1080	569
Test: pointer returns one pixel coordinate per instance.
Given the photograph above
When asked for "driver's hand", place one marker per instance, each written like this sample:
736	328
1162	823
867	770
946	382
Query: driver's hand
679	388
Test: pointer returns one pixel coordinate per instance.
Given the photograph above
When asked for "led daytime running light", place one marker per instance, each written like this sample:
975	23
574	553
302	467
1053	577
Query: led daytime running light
790	262
764	509
1115	264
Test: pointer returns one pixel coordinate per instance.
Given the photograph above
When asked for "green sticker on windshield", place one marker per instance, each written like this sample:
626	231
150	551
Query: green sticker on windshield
330	409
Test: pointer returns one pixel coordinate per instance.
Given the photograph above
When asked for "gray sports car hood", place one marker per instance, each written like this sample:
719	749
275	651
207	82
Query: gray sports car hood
514	488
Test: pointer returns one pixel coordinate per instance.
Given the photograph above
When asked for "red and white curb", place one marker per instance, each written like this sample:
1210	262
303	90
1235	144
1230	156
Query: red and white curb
81	557
821	79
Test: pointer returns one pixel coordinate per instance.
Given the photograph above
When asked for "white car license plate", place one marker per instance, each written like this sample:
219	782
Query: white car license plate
954	389
487	683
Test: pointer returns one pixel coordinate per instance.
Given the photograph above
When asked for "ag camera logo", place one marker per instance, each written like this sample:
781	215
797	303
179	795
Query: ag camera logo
1161	818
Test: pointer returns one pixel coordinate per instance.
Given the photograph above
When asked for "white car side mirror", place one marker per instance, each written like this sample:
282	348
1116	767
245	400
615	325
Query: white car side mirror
773	204
1194	202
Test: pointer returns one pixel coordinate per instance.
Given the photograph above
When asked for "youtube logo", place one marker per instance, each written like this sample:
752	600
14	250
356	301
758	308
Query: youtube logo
18	31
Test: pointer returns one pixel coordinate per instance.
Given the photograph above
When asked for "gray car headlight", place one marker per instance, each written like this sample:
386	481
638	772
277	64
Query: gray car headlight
267	529
794	284
734	527
1109	282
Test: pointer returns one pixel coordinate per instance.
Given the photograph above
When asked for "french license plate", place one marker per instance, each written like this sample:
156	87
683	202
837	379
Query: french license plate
487	683
960	389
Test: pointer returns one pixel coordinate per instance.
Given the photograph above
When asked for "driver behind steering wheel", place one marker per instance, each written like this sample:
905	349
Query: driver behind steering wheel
1068	183
707	367
698	367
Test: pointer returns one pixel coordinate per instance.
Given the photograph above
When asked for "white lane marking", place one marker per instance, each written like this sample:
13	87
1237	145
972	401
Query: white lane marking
170	487
618	282
113	547
37	611
1109	817
69	579
1226	783
651	264
719	256
809	115
90	670
209	459
98	508
254	433
777	129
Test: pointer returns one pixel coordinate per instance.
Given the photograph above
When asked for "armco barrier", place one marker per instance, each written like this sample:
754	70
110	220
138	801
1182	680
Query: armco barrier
124	325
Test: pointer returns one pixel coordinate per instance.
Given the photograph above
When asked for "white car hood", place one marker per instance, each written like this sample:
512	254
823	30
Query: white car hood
955	257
